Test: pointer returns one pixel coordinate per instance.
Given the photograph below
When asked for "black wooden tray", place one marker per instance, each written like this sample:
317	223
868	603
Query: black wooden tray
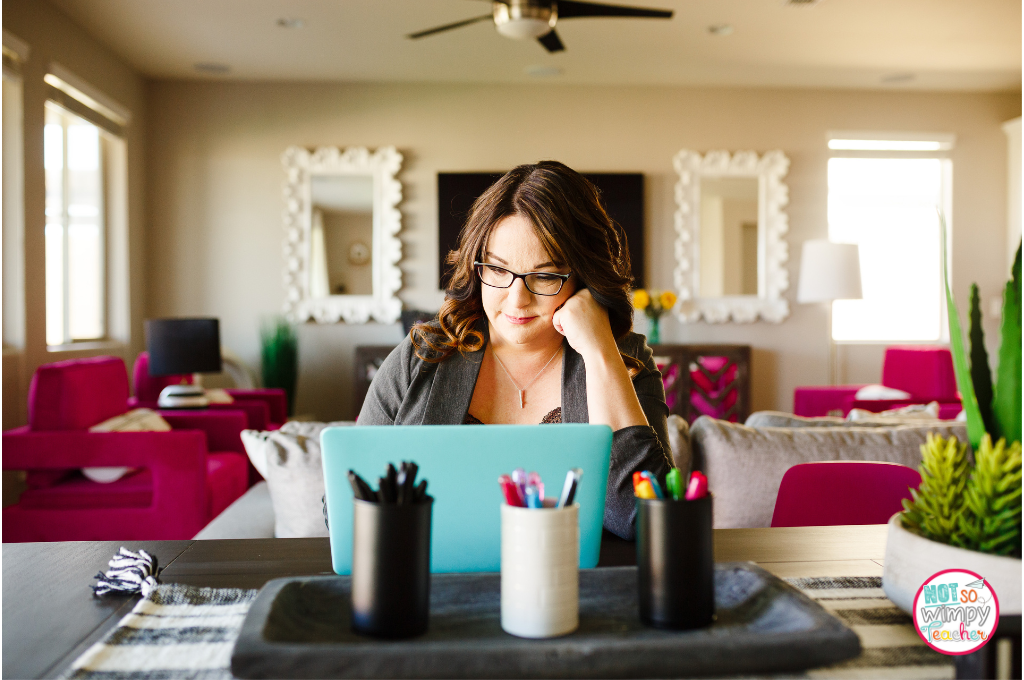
300	628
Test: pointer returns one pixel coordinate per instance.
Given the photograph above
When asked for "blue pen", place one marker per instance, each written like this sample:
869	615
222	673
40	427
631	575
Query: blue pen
533	497
654	483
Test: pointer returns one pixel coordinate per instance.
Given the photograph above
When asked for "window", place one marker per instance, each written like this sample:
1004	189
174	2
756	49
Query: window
883	195
75	230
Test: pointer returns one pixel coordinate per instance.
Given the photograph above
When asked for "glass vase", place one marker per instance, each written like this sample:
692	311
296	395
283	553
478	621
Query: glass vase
654	331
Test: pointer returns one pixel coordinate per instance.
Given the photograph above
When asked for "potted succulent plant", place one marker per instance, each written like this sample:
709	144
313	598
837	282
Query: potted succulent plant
967	515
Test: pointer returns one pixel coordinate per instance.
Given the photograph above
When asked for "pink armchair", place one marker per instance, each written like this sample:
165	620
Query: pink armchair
178	485
923	371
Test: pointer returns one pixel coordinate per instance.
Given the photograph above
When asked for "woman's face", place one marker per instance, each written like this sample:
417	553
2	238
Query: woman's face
515	314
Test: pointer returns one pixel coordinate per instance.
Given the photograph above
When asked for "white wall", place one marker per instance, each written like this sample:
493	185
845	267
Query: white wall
214	177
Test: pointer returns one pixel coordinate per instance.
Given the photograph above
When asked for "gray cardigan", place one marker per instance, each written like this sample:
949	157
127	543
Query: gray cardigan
409	391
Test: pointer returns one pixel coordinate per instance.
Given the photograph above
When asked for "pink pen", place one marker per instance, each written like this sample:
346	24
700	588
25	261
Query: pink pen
510	491
534	479
698	486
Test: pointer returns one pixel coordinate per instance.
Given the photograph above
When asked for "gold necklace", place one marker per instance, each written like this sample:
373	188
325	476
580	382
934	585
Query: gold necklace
522	390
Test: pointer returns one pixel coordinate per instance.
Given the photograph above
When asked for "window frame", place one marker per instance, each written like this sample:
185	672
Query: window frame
13	208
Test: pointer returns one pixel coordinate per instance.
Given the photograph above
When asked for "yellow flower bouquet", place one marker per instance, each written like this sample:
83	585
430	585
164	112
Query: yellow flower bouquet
653	303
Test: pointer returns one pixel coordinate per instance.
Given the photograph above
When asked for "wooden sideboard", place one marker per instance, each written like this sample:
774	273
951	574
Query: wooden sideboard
699	380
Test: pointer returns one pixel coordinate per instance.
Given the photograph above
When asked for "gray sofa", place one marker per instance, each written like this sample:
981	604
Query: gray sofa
744	465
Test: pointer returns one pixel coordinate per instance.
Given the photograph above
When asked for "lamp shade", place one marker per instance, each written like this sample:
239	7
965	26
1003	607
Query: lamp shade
829	271
178	346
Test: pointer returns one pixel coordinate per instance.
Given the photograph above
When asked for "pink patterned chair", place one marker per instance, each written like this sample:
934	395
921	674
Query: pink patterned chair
183	478
926	372
705	380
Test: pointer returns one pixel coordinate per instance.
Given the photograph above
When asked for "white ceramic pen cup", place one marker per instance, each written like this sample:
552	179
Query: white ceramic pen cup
540	556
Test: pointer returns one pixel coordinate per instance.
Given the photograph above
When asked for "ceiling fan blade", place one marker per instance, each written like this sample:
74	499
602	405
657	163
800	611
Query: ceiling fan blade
571	9
448	27
551	42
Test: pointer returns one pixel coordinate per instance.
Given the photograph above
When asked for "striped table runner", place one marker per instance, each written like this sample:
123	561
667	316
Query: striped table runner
892	648
188	632
175	632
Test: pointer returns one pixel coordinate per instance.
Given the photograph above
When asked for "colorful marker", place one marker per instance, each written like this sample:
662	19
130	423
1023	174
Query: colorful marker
654	484
674	484
698	486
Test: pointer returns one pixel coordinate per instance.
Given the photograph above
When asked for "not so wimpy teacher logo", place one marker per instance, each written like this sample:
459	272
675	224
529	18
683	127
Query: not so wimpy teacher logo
956	611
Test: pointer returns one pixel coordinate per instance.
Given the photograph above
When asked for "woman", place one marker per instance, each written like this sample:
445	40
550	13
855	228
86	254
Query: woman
535	328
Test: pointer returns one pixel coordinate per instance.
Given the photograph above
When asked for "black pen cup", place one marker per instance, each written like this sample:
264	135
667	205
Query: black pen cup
391	568
675	562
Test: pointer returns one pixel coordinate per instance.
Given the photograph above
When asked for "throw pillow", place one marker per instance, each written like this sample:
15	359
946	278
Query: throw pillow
679	442
780	419
289	459
136	420
880	392
913	413
745	465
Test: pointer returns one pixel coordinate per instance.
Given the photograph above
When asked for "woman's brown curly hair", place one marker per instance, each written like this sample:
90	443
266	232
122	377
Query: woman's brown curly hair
565	208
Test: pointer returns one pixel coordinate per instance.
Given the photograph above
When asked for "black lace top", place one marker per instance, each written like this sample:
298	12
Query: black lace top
554	416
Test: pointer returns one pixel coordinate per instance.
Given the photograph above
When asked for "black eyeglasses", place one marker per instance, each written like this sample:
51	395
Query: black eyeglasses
538	283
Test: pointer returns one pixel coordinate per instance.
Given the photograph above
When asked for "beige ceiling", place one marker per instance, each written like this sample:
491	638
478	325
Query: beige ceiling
904	44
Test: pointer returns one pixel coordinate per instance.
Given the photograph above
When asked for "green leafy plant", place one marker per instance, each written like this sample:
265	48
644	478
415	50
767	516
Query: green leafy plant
981	378
1000	414
279	357
979	507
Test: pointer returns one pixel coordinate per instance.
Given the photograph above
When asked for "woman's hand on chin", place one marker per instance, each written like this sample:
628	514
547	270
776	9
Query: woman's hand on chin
584	323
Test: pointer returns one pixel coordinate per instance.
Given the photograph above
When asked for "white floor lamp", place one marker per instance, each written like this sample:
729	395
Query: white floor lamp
828	272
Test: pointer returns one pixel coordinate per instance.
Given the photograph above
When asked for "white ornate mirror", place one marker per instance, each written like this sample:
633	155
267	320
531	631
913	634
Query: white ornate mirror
342	221
731	229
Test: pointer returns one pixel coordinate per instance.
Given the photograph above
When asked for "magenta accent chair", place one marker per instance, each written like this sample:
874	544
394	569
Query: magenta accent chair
842	492
926	372
266	409
179	485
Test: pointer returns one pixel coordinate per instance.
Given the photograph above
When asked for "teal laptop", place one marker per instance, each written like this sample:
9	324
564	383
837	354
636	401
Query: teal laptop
461	464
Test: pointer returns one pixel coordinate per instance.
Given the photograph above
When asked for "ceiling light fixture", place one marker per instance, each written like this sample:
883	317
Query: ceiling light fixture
291	22
542	71
521	21
896	78
212	68
720	29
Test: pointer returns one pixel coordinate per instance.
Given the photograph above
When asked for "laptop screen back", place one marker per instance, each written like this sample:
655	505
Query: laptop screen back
461	464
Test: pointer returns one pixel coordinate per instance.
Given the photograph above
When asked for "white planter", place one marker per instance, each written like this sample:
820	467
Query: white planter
911	559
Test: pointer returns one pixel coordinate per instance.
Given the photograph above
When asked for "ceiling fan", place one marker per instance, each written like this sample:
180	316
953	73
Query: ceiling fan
527	19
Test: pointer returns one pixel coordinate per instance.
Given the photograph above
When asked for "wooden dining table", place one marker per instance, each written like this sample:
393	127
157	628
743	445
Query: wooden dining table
50	615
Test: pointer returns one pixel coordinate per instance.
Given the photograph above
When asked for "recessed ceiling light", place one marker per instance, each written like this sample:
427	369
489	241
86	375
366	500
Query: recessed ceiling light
720	29
291	22
895	78
542	71
212	68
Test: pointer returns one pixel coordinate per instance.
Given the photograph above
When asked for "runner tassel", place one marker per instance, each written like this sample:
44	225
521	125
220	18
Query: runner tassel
130	573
